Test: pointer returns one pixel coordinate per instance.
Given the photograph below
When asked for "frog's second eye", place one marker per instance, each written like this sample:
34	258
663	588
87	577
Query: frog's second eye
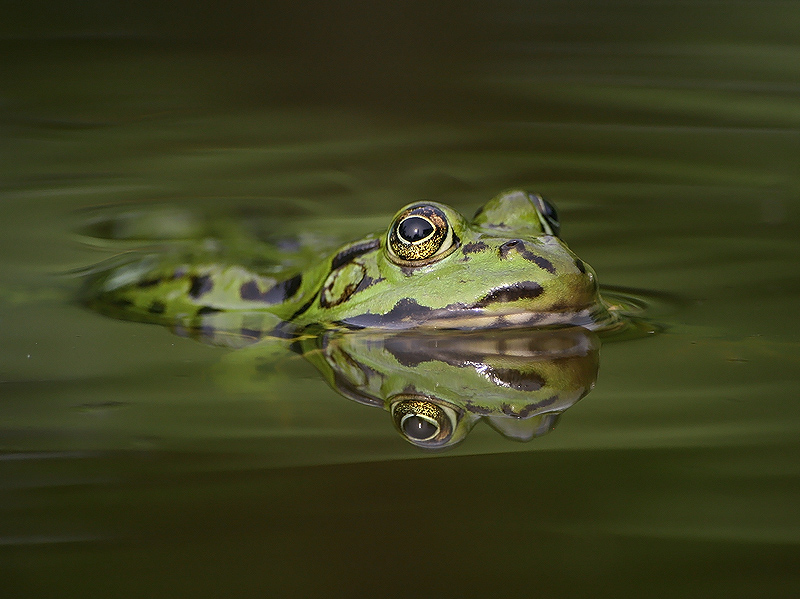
419	235
549	216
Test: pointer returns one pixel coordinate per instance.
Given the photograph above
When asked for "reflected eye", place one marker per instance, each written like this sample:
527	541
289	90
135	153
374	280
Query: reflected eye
423	422
419	427
420	235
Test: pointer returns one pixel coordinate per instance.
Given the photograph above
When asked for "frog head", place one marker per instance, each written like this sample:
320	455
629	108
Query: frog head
433	268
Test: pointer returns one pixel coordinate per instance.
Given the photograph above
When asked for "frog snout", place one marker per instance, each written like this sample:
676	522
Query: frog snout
511	243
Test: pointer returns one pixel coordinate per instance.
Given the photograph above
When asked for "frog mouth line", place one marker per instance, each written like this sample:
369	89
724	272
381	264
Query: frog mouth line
407	313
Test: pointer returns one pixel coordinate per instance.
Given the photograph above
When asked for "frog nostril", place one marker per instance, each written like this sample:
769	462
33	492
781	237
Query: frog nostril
514	244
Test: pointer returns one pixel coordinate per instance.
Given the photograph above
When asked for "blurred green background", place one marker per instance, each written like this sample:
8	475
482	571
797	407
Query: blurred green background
667	133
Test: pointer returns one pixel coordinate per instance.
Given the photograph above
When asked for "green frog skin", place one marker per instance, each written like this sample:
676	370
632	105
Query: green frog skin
431	268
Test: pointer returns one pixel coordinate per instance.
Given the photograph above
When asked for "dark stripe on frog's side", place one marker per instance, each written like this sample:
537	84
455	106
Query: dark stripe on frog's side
518	246
406	309
200	285
354	251
157	307
511	293
280	292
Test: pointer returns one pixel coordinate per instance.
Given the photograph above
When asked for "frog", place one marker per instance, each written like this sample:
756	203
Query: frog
507	267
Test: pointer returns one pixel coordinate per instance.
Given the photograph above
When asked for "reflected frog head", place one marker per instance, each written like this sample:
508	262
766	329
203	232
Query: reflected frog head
437	386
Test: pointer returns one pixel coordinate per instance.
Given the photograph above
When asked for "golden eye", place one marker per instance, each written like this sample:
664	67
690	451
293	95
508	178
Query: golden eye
423	422
419	235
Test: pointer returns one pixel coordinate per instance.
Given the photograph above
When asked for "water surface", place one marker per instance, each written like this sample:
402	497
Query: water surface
138	462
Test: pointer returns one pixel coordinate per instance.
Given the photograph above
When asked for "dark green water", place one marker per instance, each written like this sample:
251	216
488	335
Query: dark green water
137	463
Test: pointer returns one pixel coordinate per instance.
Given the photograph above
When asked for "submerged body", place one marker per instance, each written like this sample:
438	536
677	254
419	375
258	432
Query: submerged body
431	268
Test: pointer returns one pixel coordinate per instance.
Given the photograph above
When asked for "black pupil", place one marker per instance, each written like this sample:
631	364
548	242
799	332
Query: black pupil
414	228
418	428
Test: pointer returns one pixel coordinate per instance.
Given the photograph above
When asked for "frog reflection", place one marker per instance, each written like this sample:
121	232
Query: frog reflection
437	385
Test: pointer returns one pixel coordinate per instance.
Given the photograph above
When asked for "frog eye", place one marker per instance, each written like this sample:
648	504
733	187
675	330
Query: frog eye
419	235
547	215
423	422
